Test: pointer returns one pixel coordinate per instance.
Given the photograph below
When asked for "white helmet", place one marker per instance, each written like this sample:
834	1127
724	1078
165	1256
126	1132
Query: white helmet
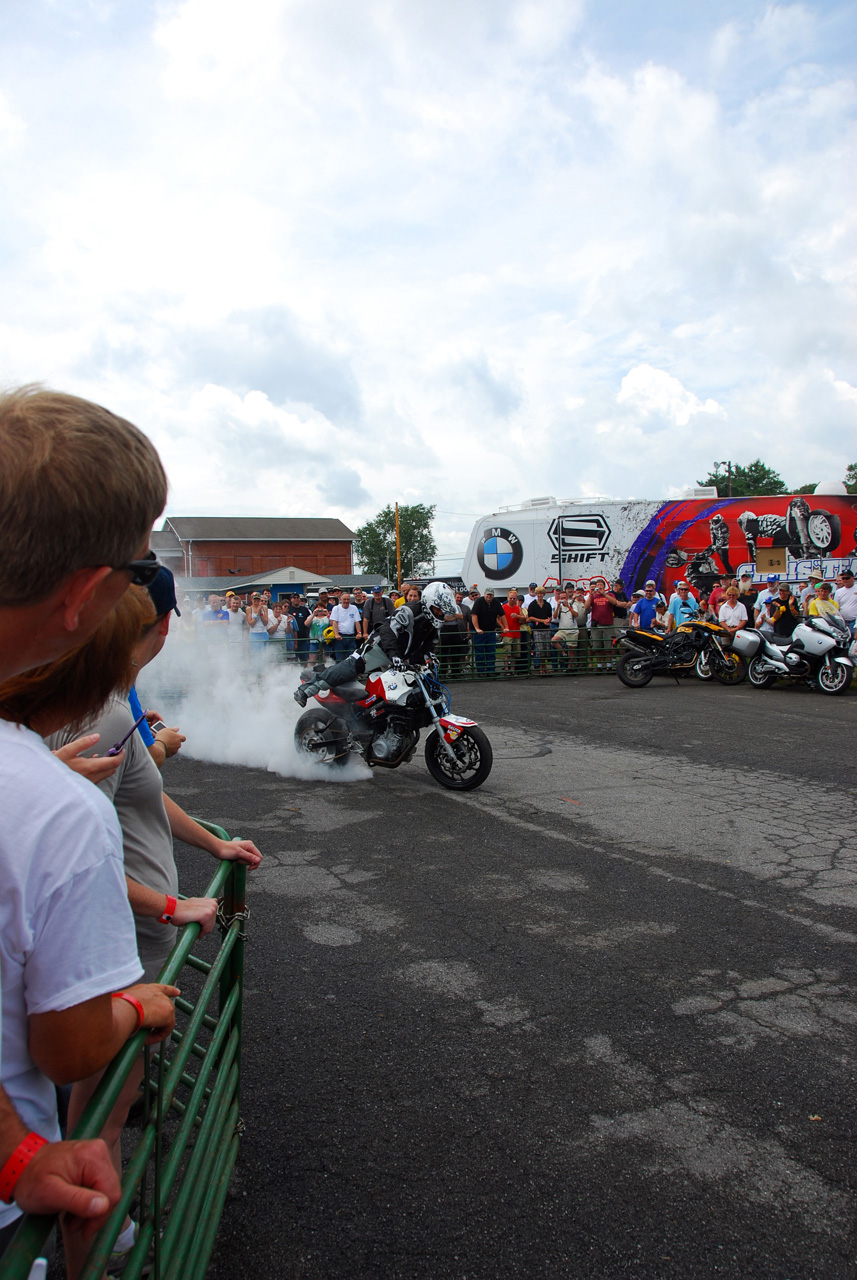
438	595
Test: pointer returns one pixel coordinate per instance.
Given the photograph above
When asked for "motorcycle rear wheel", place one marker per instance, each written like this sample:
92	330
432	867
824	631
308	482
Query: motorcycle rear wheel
634	669
760	678
835	680
731	670
474	756
311	742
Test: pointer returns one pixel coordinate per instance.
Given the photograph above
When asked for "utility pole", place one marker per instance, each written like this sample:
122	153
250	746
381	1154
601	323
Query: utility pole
398	552
728	465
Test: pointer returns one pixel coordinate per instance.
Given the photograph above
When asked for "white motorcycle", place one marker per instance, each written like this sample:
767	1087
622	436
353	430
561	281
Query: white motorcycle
816	651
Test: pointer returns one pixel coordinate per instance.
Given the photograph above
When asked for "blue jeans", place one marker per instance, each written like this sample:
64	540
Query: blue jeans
484	650
344	647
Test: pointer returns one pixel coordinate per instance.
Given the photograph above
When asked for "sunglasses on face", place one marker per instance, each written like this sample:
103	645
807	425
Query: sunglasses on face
143	571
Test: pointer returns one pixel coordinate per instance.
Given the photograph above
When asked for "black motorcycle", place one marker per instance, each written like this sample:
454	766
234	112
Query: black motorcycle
701	646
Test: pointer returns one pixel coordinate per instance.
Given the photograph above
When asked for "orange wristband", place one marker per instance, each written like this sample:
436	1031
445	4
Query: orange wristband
132	1000
17	1163
169	910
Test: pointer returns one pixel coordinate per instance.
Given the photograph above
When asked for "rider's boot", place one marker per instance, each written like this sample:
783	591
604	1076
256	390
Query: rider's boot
306	691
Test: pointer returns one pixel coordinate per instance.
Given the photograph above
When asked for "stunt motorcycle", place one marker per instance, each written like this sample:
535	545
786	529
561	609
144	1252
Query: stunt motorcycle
701	646
380	721
816	651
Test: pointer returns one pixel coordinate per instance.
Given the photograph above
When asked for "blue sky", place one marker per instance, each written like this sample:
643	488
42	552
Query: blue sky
330	255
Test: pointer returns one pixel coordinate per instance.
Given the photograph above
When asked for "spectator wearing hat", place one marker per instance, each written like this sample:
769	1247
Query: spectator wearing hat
783	611
164	742
539	616
846	599
684	607
376	611
748	594
567	630
808	591
763	619
620	615
663	621
644	610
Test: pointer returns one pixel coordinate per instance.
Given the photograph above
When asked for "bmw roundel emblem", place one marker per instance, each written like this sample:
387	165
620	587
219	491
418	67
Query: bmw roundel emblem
500	553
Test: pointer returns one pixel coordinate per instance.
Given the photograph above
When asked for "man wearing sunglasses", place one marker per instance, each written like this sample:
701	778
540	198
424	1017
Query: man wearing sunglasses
71	548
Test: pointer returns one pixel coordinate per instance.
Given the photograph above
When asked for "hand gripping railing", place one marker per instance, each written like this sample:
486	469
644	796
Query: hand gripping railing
180	1166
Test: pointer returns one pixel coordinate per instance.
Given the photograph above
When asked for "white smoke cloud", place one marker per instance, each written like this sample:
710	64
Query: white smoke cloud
235	705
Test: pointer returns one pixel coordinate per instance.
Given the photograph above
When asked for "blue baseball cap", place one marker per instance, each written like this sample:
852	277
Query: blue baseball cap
162	590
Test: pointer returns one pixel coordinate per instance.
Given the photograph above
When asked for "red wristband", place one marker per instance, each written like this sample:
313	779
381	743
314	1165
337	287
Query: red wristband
169	910
17	1163
132	1000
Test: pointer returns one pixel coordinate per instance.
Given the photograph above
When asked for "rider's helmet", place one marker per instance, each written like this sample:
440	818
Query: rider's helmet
438	600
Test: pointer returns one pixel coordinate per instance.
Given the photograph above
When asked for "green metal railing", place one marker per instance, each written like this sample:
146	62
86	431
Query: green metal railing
180	1166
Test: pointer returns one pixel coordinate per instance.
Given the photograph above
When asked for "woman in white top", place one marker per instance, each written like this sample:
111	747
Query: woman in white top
258	619
279	630
732	614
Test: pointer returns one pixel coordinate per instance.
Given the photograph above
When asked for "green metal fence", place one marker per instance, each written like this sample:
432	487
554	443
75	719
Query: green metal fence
177	1171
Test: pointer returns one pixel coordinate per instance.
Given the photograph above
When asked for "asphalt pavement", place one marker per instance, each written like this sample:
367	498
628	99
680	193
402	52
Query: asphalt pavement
595	1019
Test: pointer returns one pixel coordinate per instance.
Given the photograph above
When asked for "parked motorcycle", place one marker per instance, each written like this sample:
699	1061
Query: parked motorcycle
815	652
380	721
702	646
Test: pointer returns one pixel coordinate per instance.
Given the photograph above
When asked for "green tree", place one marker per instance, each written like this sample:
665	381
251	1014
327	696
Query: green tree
850	478
375	544
753	480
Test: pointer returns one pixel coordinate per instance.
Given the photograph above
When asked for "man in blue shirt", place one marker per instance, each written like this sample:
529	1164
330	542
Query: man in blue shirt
643	611
215	611
683	606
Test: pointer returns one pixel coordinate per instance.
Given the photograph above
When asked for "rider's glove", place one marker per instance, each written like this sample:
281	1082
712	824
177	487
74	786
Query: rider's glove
398	664
430	658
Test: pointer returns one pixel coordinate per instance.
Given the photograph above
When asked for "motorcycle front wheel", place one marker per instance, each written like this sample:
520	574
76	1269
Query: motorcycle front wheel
634	669
835	679
321	737
730	669
702	669
757	675
473	759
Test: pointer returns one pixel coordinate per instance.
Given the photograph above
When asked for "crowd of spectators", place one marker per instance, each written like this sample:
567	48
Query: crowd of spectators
90	901
539	630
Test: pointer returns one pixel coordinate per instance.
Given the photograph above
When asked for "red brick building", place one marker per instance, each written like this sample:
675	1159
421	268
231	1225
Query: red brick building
214	546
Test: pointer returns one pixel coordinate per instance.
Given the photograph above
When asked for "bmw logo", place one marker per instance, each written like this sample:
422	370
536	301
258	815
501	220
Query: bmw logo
500	553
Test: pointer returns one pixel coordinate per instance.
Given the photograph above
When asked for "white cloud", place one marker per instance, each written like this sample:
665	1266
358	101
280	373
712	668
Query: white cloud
656	392
464	252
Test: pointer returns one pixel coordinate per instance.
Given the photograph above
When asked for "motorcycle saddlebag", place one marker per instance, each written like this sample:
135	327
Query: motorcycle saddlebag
745	642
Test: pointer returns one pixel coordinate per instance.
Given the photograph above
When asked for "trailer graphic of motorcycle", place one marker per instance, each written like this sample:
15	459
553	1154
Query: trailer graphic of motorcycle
670	545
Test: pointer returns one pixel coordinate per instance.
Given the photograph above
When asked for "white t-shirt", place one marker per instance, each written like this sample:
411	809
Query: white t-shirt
237	625
345	619
66	929
846	598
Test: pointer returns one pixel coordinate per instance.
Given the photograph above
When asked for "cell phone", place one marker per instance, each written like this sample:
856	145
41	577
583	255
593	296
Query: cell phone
117	746
156	725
